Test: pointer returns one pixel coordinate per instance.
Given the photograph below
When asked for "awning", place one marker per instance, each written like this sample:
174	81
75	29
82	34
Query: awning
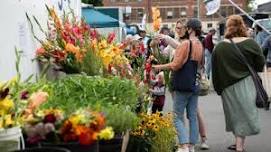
97	19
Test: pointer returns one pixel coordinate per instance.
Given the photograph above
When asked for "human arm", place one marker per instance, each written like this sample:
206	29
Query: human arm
179	59
158	91
169	40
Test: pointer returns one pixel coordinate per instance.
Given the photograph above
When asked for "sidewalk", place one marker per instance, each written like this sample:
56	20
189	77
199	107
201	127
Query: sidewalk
218	139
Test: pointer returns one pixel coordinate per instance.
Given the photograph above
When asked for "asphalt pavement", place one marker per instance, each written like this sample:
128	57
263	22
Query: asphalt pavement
218	138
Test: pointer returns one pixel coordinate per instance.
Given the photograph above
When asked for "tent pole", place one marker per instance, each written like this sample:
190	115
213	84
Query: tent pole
252	19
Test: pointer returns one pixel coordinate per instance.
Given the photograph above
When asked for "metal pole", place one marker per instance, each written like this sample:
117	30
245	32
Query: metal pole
252	19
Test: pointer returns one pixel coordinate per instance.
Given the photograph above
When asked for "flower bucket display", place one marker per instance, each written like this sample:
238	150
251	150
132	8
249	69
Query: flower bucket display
44	149
73	146
114	144
11	139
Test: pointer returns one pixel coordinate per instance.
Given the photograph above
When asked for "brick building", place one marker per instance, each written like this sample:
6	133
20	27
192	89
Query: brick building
171	10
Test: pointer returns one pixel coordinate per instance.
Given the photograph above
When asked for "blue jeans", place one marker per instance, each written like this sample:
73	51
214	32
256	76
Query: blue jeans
188	101
208	62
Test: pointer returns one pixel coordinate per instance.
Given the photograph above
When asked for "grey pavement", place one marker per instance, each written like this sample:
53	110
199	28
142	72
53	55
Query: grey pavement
218	138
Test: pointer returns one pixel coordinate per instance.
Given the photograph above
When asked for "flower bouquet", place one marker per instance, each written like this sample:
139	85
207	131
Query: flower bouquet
78	132
14	104
71	46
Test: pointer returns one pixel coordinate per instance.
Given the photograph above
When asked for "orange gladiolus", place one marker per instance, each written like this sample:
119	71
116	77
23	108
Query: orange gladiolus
55	18
156	19
75	50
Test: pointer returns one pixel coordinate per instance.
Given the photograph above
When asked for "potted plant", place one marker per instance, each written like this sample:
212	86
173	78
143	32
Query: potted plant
122	119
155	133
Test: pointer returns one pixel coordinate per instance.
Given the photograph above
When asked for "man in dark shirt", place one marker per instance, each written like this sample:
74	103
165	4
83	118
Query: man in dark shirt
208	49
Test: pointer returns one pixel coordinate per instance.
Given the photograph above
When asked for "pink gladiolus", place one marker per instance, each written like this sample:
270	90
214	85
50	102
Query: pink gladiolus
76	30
93	34
111	37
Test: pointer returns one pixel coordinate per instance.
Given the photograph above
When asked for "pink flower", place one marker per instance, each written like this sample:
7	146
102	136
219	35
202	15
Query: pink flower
76	32
40	51
111	37
94	34
36	99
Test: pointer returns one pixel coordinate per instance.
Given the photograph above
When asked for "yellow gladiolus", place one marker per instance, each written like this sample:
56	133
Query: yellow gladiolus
103	44
106	133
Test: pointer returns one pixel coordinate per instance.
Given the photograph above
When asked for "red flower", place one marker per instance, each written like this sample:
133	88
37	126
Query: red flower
59	55
67	133
111	37
40	51
50	118
87	137
148	67
24	95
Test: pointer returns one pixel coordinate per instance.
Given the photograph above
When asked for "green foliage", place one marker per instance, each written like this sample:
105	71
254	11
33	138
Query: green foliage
73	92
93	2
164	141
121	118
91	64
250	4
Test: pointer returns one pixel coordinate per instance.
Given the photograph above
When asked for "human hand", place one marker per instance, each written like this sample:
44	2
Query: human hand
159	37
157	67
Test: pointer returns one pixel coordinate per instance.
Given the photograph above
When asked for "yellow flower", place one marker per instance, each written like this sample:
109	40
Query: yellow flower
71	48
13	81
156	19
5	105
1	123
106	133
76	119
103	44
8	121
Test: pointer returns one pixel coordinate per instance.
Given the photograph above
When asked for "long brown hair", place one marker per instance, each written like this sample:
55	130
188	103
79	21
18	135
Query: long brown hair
235	27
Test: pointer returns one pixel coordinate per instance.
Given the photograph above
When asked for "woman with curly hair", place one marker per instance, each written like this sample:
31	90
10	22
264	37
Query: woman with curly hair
232	80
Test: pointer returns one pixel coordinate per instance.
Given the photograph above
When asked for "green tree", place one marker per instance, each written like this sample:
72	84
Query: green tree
93	2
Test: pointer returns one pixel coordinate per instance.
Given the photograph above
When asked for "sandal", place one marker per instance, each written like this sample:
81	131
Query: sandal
232	147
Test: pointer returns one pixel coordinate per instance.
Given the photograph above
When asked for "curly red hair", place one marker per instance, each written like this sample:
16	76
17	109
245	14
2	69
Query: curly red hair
235	27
